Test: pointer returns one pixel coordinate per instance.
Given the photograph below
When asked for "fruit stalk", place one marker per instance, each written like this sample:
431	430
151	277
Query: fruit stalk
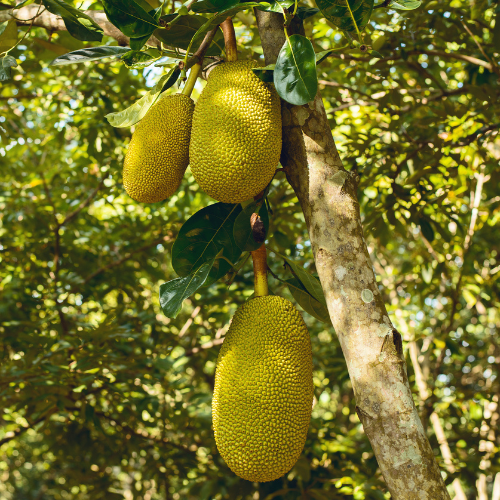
193	76
259	257
229	40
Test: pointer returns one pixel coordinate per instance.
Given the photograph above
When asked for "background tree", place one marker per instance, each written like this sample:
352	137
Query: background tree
104	396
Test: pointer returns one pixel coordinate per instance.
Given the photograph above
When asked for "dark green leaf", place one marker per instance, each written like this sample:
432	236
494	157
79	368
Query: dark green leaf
222	16
496	31
266	74
337	11
305	12
138	43
172	77
203	236
173	293
405	4
3	26
321	56
90	54
427	230
137	59
278	6
242	230
374	53
311	284
295	75
216	5
130	18
4	6
79	25
6	63
307	301
180	34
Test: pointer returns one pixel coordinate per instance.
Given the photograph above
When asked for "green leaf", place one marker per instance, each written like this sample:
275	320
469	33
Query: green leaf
427	230
90	54
405	4
137	59
311	283
130	18
321	56
137	111
295	75
173	293
305	12
180	34
278	6
8	38
307	301
138	43
79	25
3	26
242	230
6	63
4	6
203	236
222	16
337	12
217	5
266	74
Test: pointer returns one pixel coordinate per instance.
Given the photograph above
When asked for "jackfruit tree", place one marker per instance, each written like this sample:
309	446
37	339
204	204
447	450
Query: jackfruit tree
238	116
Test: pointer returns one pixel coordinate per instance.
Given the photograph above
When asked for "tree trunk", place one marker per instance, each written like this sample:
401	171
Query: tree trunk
371	345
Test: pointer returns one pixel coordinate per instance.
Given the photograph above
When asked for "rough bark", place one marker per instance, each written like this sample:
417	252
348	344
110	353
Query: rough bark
371	345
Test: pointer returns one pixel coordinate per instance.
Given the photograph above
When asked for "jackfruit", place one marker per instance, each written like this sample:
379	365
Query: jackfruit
236	137
158	153
263	389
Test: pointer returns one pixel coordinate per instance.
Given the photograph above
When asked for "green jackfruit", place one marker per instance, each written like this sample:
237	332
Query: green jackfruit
263	389
158	154
236	138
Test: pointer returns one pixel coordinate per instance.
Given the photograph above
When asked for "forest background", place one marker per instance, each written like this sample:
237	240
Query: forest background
103	397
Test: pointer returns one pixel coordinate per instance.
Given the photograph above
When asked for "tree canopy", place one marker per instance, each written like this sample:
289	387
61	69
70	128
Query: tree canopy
103	396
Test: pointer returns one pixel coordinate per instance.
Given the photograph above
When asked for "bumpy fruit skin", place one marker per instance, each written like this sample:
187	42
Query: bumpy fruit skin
263	389
158	153
236	138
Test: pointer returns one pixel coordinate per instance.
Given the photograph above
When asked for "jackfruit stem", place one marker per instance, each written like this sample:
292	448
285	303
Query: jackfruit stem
259	258
193	76
229	40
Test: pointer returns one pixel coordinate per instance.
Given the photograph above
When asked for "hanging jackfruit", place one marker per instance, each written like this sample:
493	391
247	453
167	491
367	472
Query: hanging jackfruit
263	389
236	137
158	153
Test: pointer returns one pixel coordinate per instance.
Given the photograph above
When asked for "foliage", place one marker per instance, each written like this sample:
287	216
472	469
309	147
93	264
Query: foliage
105	397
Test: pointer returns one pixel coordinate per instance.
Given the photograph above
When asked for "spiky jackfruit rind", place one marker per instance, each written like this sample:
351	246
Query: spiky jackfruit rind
263	389
158	153
236	137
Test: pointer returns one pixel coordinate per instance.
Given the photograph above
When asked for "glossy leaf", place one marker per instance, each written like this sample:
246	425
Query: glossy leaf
338	12
138	110
242	230
307	301
137	59
221	16
174	292
130	18
79	24
180	34
138	43
210	6
203	236
6	63
295	75
305	12
90	54
405	4
427	229
266	74
311	283
278	6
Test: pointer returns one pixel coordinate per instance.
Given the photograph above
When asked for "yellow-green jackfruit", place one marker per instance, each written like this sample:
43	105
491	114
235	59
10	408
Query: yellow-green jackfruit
263	389
236	138
158	154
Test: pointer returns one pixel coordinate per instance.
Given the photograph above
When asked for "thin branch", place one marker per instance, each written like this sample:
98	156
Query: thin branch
85	203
